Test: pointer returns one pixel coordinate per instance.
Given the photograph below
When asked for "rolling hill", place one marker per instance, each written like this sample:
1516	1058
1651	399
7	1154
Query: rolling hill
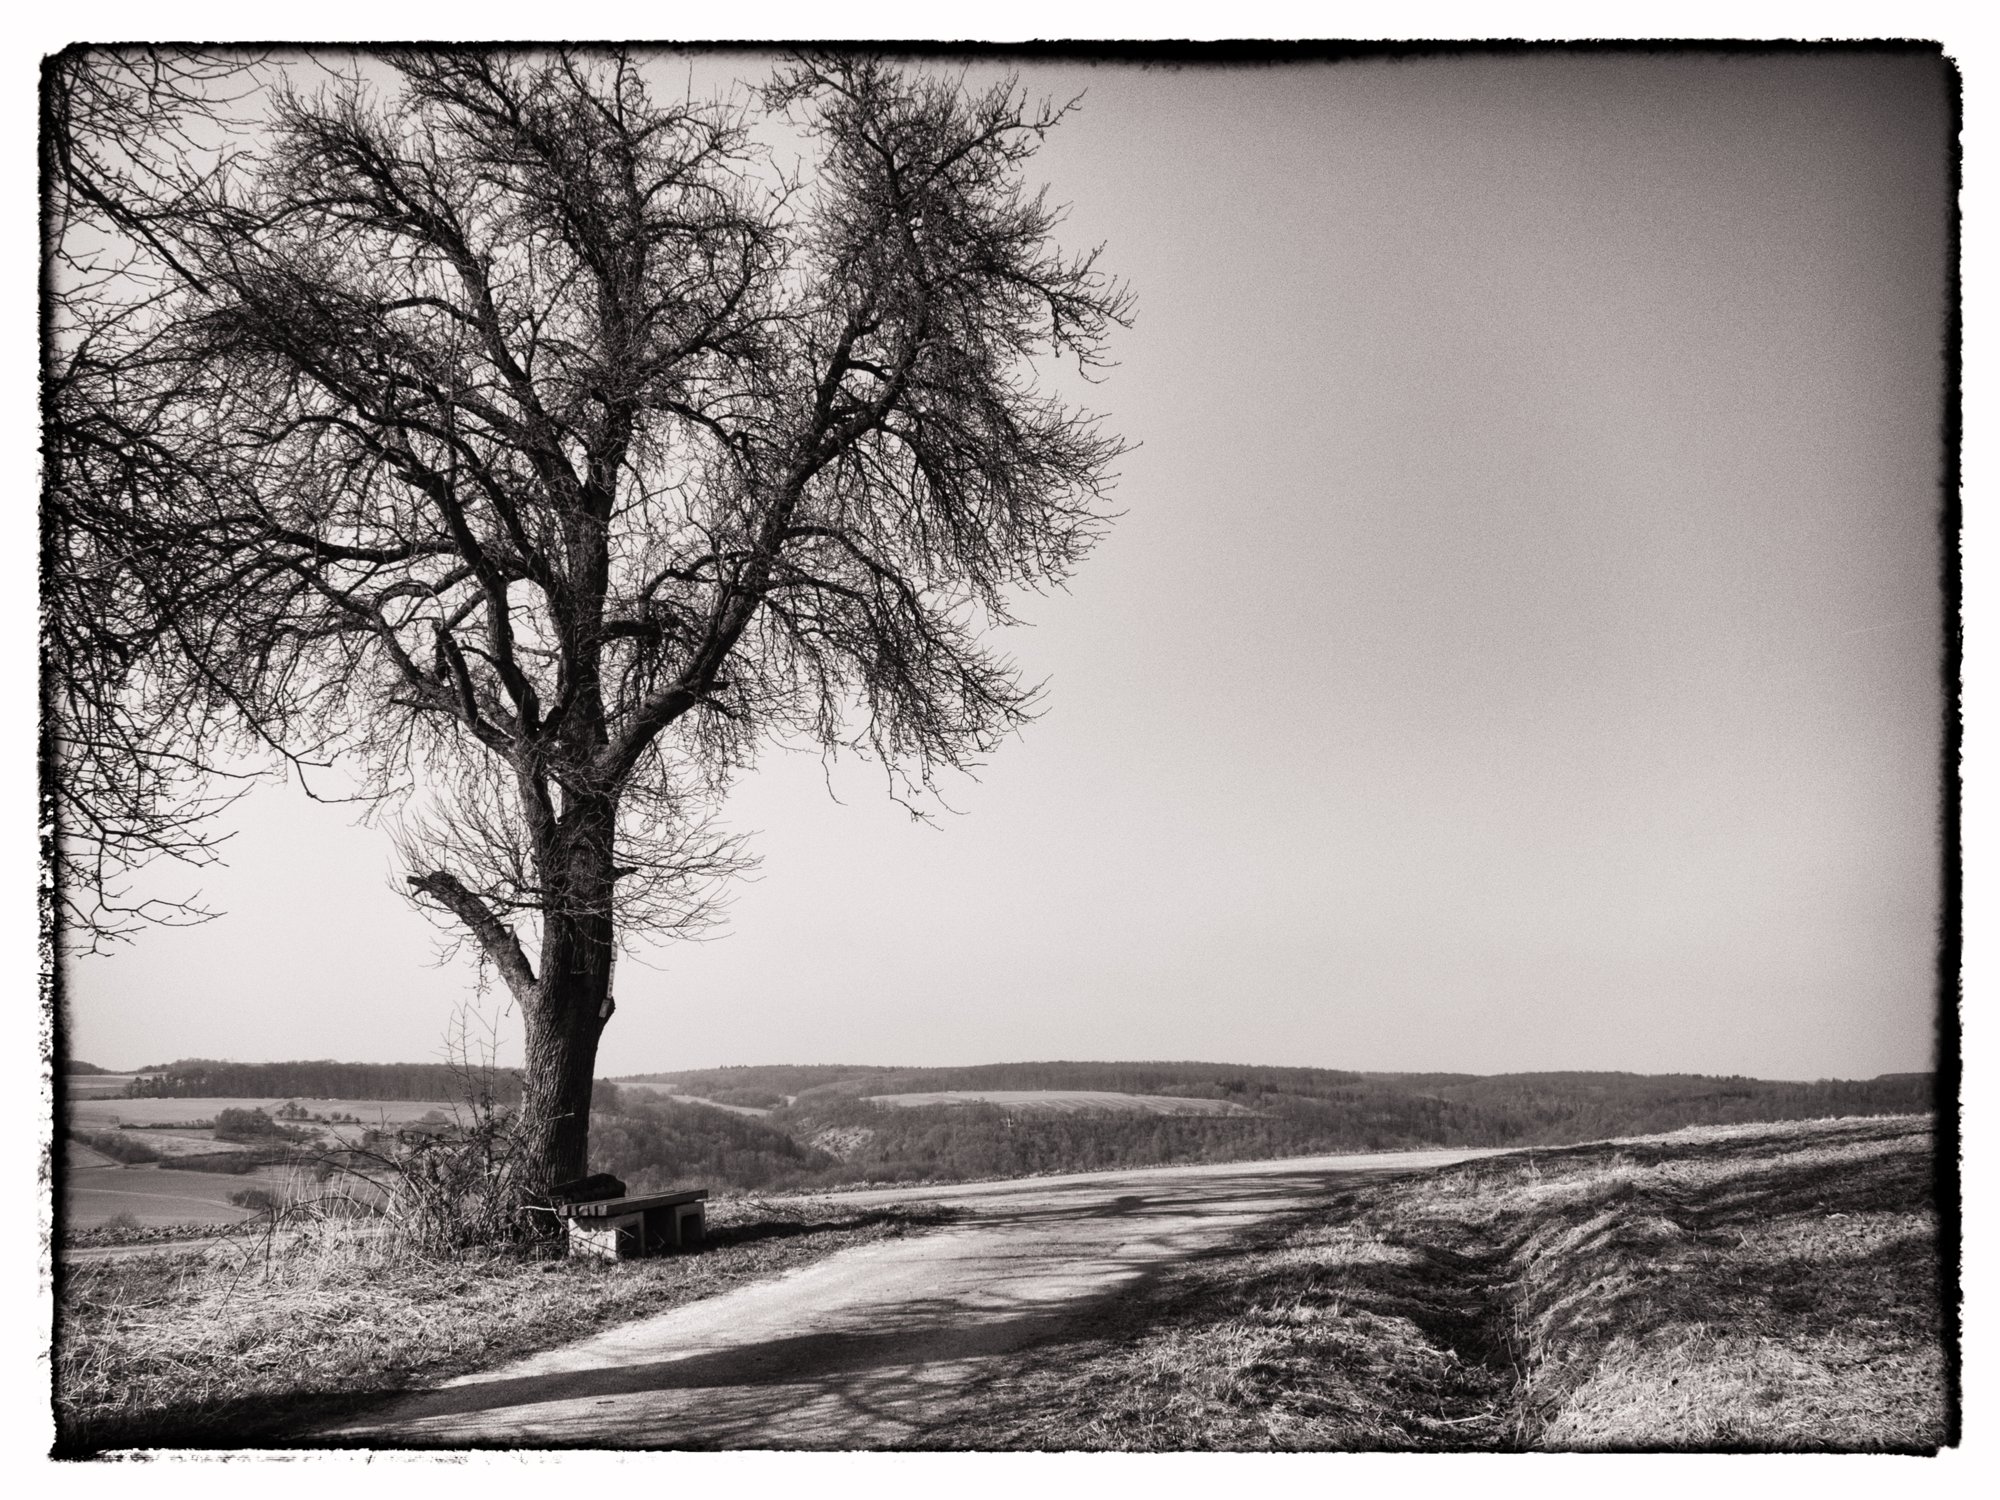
823	1125
770	1128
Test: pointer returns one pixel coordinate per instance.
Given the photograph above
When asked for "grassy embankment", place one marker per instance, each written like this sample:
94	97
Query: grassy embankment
234	1350
1745	1287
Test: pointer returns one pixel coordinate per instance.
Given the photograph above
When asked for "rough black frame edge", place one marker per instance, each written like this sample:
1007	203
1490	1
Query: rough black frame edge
1948	1067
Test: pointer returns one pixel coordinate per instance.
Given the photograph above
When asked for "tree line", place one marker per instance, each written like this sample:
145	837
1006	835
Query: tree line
205	1078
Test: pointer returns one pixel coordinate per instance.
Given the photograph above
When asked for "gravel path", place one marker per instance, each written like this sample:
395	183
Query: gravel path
857	1350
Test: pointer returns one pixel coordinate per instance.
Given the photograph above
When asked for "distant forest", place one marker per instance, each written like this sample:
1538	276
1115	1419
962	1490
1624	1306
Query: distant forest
204	1078
820	1130
658	1145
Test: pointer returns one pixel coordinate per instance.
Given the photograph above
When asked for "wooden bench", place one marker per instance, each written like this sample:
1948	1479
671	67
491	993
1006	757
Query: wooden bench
628	1228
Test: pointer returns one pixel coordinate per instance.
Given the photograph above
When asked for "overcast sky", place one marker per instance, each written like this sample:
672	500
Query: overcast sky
1519	649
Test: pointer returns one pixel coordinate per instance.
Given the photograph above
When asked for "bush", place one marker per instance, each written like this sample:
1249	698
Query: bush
225	1163
259	1200
117	1146
447	1187
253	1127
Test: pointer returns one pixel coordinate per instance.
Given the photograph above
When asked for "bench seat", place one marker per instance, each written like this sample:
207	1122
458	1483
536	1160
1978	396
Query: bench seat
631	1228
605	1208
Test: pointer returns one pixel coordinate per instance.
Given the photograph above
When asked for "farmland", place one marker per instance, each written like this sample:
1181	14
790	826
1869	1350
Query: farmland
829	1125
111	1113
98	1188
768	1129
1064	1101
668	1090
97	1085
151	1196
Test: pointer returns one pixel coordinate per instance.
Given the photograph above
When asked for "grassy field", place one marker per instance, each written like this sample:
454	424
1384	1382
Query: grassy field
96	1085
249	1350
1743	1287
161	1142
669	1091
151	1195
1065	1101
97	1190
110	1113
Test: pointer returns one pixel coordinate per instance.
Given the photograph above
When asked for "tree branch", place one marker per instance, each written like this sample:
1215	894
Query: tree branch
496	939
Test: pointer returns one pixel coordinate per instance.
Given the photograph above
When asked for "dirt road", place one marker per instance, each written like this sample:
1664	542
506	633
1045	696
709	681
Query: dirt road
857	1350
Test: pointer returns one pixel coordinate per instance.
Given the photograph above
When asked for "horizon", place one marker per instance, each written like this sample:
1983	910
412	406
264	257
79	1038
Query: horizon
1138	1062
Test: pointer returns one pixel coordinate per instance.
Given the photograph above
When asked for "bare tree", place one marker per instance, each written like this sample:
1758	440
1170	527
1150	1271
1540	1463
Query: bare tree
129	137
556	450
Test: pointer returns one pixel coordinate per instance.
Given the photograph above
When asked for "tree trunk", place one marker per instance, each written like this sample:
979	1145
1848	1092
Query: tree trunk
563	1027
572	1001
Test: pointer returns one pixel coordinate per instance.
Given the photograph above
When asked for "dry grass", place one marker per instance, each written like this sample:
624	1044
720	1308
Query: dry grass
239	1349
1742	1291
1751	1287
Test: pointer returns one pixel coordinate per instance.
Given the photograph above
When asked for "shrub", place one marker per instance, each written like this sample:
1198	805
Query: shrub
252	1127
224	1163
259	1200
450	1186
117	1146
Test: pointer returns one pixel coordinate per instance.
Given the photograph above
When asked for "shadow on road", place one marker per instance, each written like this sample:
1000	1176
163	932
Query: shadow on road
1028	1268
842	1353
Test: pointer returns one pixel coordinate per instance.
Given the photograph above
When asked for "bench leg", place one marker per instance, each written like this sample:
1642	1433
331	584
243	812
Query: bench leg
651	1231
593	1241
608	1239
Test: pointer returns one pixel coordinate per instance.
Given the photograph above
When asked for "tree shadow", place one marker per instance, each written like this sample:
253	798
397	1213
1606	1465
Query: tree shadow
916	1216
1635	1253
902	1373
887	1374
274	1419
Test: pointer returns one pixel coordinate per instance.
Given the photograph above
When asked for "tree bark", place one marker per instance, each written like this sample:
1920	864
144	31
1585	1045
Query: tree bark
571	1000
563	1027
